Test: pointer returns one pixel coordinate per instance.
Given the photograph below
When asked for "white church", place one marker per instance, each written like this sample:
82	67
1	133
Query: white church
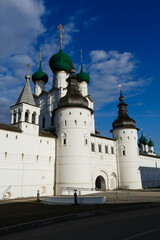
51	145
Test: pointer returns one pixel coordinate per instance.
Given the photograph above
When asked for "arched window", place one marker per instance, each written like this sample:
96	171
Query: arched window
27	116
112	150
43	122
63	139
106	149
93	147
123	151
14	117
99	147
34	118
19	115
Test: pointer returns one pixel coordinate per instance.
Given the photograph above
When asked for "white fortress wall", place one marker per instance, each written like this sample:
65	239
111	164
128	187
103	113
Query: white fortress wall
104	162
26	164
150	170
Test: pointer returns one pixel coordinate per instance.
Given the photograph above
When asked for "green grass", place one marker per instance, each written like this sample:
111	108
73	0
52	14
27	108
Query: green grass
16	213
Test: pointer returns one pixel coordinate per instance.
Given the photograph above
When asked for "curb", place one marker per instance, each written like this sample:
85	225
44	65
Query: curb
47	221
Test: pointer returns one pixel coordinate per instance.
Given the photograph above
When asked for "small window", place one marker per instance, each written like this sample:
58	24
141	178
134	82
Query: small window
99	148
75	122
64	141
37	158
6	135
84	123
106	149
69	113
112	150
128	138
93	147
123	152
65	123
5	155
80	113
120	138
16	137
86	141
123	131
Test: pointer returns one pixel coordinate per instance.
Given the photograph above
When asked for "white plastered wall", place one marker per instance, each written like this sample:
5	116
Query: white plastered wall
27	164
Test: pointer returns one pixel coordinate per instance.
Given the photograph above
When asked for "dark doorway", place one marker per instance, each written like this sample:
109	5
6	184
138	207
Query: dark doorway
100	183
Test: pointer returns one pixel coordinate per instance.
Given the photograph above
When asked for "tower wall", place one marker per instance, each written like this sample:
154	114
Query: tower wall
83	87
59	81
128	158
39	87
73	166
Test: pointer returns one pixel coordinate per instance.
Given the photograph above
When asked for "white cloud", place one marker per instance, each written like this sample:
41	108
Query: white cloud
17	29
98	55
108	70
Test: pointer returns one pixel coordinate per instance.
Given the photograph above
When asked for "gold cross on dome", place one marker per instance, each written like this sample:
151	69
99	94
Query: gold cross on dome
28	68
61	31
40	49
81	55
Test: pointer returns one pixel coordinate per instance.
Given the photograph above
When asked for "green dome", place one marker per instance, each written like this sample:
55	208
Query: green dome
145	142
82	76
60	62
40	75
141	140
151	143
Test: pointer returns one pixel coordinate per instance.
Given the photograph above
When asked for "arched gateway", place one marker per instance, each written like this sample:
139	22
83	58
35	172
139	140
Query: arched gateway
100	183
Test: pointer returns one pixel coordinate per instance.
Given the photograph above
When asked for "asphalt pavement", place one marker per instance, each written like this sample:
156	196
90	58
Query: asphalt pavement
138	224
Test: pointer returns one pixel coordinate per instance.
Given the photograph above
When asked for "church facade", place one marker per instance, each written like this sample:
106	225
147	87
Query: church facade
51	145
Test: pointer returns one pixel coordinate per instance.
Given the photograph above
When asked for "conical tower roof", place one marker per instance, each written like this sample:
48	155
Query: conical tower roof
123	119
26	95
73	97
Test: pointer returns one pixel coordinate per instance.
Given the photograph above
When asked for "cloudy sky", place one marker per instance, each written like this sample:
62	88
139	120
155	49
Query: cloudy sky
121	45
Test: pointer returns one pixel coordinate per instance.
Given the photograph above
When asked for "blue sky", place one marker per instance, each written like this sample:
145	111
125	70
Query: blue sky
121	45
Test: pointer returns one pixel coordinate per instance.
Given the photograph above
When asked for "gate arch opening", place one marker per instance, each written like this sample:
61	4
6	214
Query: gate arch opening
100	183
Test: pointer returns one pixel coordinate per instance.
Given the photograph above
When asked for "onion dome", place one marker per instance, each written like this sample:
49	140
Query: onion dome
141	139
82	76
39	75
60	62
145	141
73	97
151	143
123	119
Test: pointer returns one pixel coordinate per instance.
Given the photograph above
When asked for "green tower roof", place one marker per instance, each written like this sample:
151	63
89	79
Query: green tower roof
141	139
82	76
40	75
145	142
60	62
151	143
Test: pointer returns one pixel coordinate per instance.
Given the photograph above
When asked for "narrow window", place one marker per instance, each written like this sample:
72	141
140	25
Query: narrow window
93	147
123	152
75	122
19	115
112	150
99	148
26	116
65	123
43	122
106	149
34	118
86	141
52	119
14	118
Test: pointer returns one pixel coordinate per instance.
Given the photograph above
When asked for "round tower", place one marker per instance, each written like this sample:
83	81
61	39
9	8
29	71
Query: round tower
39	79
73	127
125	132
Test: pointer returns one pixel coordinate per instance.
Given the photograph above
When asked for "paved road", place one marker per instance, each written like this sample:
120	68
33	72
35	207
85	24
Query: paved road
137	224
